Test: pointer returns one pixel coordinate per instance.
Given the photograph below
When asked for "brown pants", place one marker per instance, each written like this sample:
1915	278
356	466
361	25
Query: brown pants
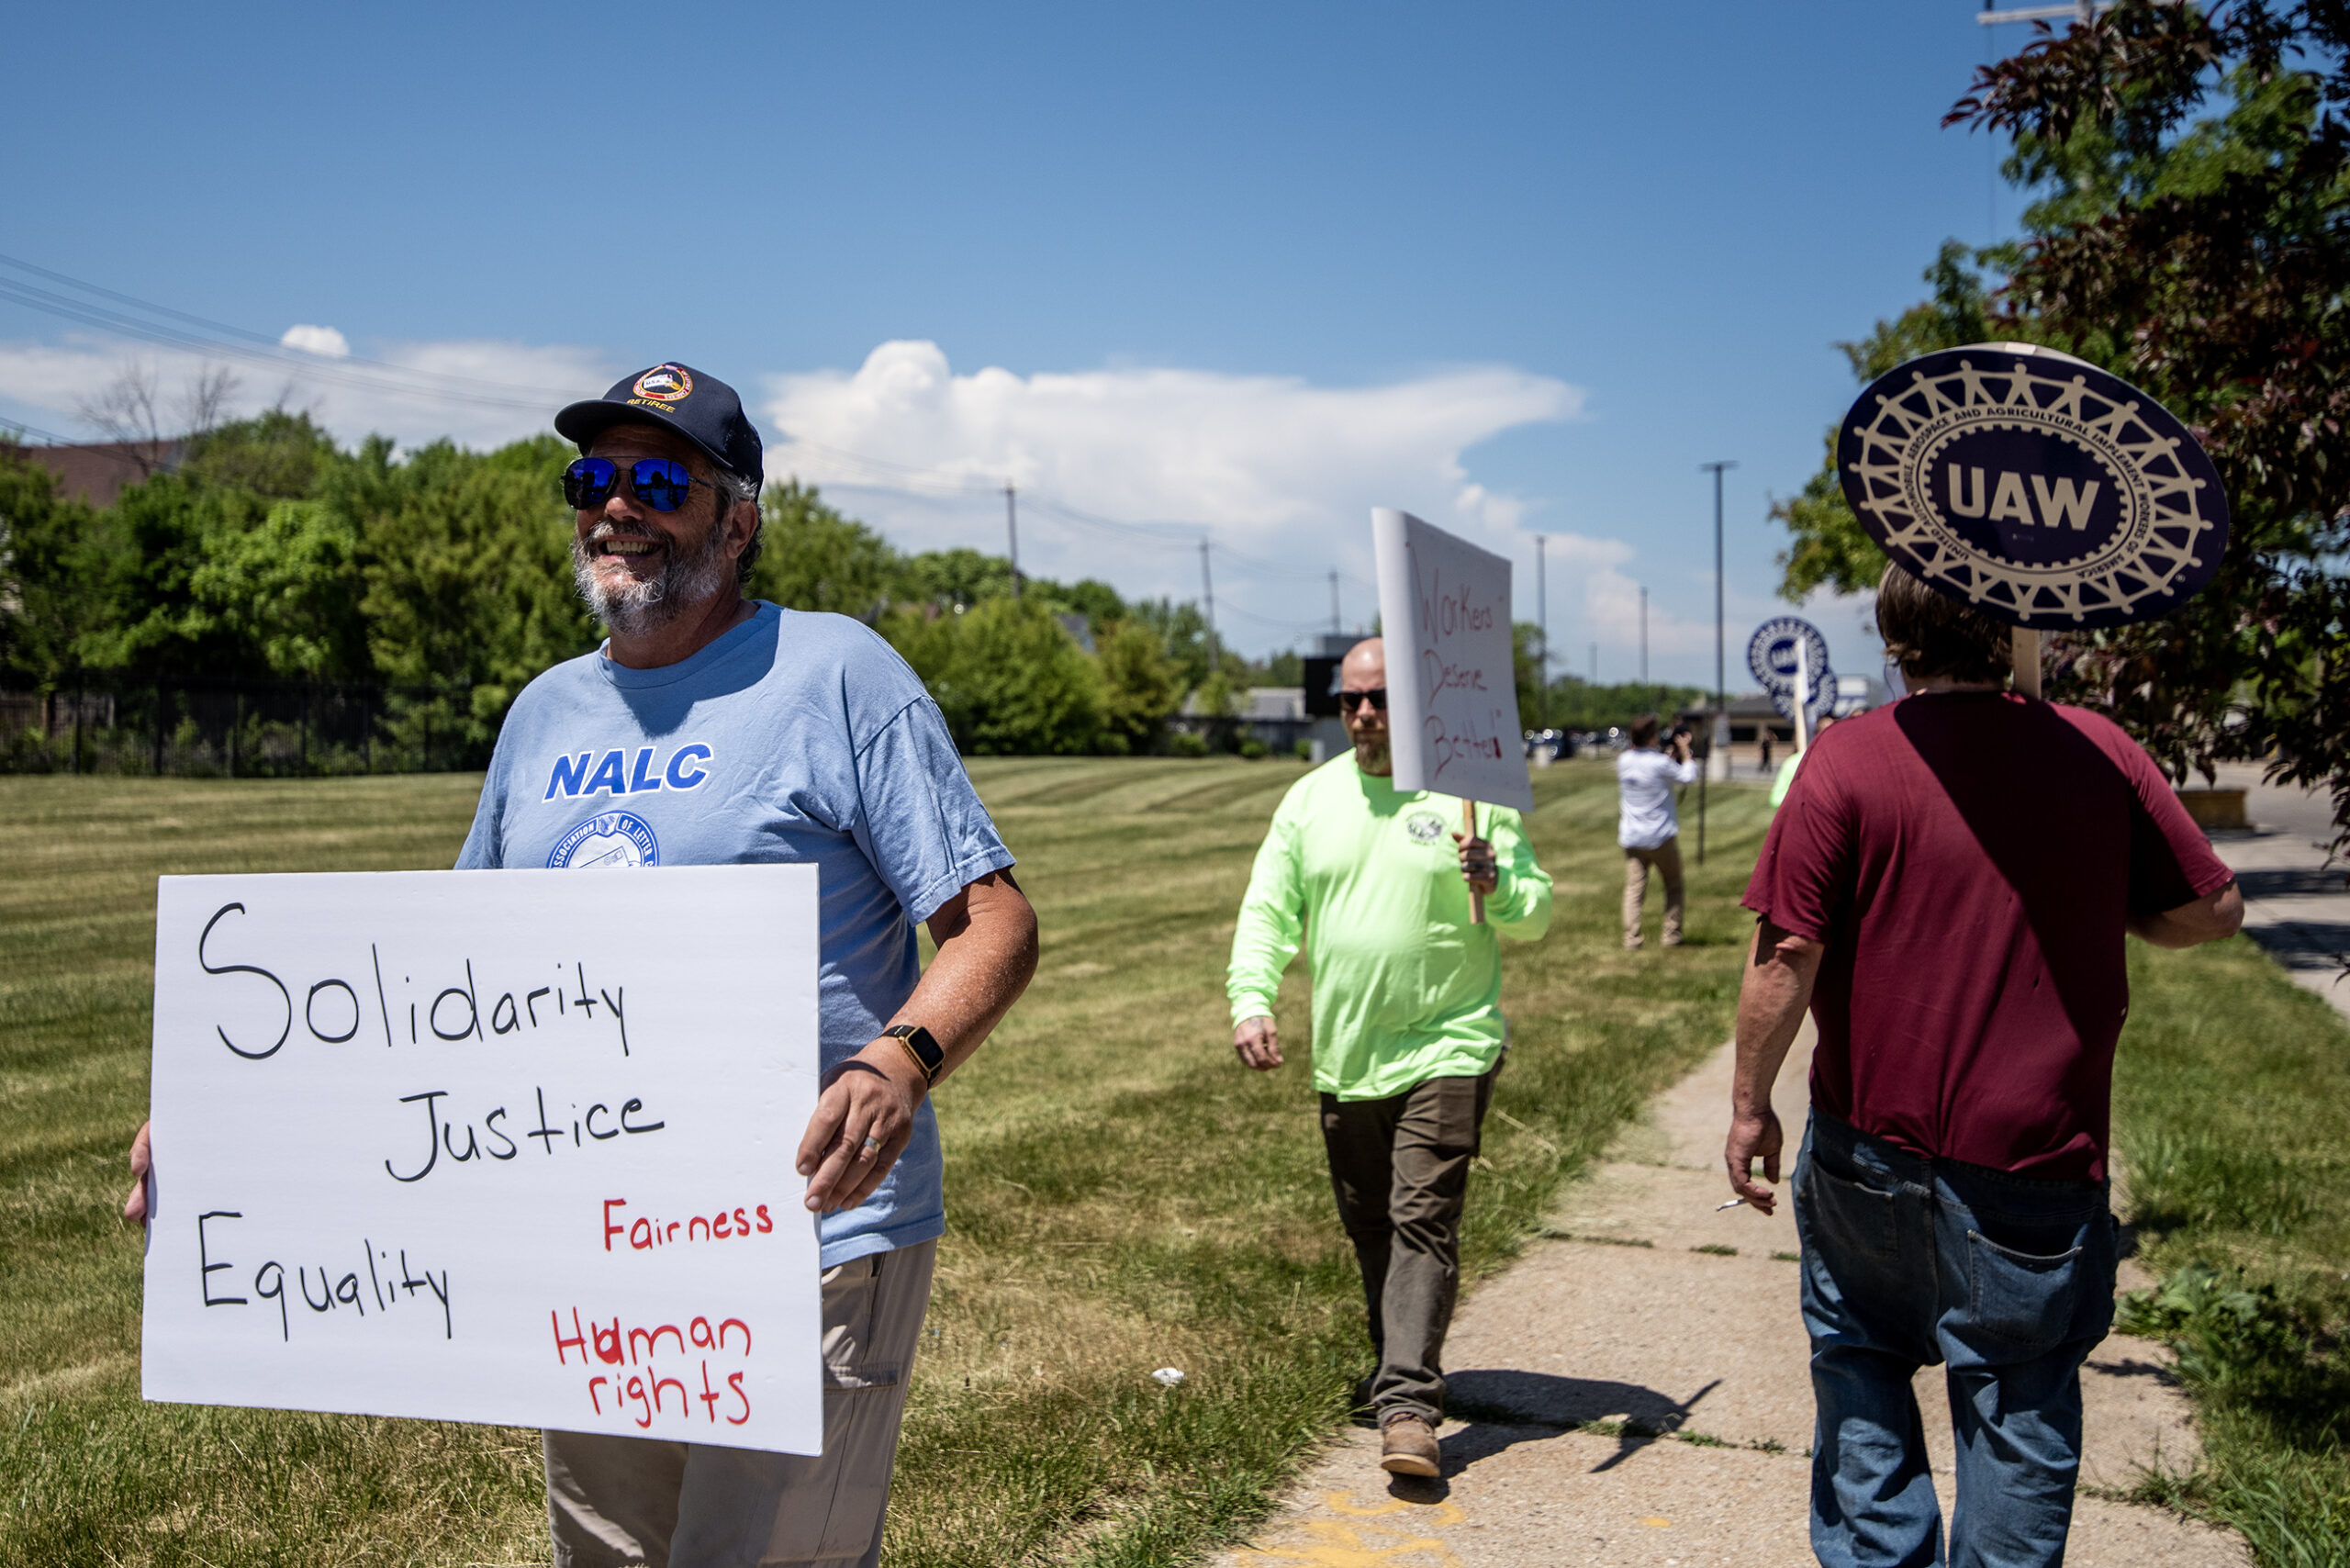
1666	859
1400	1169
615	1501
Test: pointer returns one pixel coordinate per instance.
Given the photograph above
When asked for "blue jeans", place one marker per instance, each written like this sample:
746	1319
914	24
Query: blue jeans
2007	1281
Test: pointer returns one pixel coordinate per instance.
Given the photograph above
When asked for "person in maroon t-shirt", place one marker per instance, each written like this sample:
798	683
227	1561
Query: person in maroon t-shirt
1946	890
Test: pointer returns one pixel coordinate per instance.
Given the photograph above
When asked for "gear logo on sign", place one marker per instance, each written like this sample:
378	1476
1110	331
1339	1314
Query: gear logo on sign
1425	827
2034	486
666	383
615	838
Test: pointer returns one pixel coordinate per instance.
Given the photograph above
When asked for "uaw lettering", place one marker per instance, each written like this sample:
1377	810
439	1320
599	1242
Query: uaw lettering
2034	485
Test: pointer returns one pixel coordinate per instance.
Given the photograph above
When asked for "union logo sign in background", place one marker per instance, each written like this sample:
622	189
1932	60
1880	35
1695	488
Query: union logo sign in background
2034	485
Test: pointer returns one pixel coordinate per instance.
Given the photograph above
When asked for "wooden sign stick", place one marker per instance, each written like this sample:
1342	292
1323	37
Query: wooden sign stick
1476	899
2024	646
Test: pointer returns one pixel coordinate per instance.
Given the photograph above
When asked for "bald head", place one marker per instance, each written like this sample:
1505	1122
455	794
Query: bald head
1365	669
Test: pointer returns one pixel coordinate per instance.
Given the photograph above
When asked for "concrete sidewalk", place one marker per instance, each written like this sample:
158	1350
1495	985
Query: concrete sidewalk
1679	1326
2295	905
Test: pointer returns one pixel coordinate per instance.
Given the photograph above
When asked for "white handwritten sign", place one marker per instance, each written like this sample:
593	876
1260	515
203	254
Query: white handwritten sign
512	1147
1451	678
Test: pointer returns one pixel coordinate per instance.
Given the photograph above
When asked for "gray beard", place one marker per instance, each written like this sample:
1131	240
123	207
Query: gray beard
639	608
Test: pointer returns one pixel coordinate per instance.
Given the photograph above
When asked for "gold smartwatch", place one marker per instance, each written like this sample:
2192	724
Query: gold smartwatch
920	1046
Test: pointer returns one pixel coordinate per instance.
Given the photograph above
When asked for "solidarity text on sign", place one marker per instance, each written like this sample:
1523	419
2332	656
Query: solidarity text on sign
1451	678
513	1146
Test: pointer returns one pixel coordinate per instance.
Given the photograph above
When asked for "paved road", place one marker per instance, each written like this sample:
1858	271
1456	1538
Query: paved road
2296	904
1678	1326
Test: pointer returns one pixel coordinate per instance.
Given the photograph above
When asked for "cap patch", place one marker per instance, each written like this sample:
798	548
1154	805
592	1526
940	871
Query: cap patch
664	383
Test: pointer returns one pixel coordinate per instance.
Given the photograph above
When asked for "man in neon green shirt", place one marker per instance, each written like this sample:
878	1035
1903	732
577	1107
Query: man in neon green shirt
1407	1025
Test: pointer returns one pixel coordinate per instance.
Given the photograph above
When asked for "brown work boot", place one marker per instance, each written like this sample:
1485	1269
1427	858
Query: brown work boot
1408	1447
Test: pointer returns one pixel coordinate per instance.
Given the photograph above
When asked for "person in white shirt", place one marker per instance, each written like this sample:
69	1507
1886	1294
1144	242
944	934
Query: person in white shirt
1648	826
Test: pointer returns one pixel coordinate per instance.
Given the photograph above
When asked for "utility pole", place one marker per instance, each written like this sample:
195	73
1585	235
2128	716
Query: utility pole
1207	586
1717	750
1011	526
1644	634
1542	630
1335	627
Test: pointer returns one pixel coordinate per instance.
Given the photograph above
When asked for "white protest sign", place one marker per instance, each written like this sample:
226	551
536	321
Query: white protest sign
512	1147
1451	675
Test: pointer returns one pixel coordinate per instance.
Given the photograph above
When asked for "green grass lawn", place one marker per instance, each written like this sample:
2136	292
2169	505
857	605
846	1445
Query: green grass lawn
2231	1107
1123	1195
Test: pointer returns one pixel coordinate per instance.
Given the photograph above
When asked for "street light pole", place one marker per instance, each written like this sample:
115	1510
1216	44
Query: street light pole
1012	528
1542	631
1716	749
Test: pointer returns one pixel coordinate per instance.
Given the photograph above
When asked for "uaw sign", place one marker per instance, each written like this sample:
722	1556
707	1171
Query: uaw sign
2036	487
1781	646
1789	657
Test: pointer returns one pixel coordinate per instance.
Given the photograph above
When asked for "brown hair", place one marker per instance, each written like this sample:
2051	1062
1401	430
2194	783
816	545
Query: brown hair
1644	730
1931	634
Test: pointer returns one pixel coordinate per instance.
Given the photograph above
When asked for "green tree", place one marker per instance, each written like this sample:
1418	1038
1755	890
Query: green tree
1009	678
1525	661
275	455
468	572
2193	236
811	557
1182	631
1139	688
1284	668
55	563
949	577
152	622
290	589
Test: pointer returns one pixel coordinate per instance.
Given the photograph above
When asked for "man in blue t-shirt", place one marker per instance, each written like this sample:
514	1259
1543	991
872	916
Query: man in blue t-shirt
709	730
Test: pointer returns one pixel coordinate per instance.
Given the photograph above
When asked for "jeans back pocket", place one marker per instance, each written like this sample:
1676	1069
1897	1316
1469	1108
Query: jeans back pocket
1848	1219
2029	1300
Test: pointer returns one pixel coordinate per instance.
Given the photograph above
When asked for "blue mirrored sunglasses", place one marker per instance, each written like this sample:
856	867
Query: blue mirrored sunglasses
657	481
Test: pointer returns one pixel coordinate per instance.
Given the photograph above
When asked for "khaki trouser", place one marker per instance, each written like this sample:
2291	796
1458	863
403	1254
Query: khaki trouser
1666	859
1399	1167
614	1501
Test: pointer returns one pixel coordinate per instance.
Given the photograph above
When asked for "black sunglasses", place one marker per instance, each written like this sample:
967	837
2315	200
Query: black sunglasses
1350	700
658	482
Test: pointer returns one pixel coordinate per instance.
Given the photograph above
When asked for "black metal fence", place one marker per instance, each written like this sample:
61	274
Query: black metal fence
243	729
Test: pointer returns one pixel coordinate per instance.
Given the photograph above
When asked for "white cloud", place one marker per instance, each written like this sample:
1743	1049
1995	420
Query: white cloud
324	342
1279	473
477	393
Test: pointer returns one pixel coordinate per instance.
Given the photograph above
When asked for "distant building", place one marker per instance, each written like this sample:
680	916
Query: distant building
1753	713
97	471
1273	714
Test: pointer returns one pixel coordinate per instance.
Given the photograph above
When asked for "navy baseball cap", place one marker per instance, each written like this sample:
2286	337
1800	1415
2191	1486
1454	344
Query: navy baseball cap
702	408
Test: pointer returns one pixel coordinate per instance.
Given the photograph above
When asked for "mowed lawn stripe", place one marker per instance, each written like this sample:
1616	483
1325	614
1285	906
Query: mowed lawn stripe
1123	1195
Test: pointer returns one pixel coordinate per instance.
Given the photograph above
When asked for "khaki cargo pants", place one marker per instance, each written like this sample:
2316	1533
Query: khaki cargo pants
614	1501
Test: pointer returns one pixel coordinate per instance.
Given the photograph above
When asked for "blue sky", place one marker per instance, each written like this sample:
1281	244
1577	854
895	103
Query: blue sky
1244	269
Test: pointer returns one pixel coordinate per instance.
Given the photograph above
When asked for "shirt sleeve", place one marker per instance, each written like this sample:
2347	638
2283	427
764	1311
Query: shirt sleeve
484	851
1520	906
919	820
1271	924
2171	862
1685	772
1809	857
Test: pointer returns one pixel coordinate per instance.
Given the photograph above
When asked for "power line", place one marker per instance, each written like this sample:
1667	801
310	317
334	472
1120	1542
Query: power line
352	370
